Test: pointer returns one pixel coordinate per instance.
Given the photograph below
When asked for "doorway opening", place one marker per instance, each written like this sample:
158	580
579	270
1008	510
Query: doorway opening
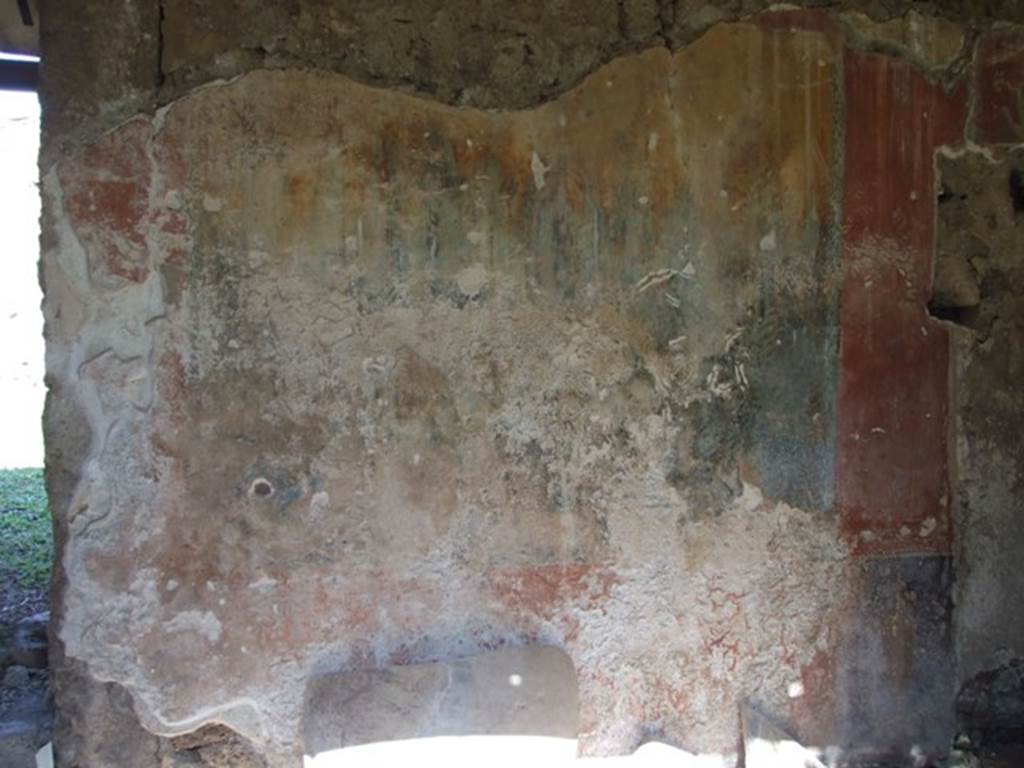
26	533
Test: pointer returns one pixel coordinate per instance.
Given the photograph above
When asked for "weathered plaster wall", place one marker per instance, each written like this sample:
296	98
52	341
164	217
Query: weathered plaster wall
106	63
978	285
981	287
639	366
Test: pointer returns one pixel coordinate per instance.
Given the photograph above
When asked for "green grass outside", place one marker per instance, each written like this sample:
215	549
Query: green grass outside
26	538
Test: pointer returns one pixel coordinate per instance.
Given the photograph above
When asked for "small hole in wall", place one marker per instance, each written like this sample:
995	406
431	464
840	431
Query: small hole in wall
948	195
261	488
965	316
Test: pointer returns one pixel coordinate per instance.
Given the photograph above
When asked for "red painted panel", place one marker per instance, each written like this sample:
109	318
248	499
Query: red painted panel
547	590
106	196
892	468
999	88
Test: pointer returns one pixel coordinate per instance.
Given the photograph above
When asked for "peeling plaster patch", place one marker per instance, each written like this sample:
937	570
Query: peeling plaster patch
212	204
204	623
931	41
320	502
539	170
472	280
263	583
656	278
721	614
173	200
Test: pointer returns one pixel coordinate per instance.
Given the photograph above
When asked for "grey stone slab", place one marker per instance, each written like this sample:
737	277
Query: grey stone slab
518	691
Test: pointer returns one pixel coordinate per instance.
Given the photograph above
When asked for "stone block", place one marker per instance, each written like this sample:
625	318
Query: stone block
529	691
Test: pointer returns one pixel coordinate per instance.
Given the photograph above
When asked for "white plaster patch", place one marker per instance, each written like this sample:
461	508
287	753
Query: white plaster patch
655	278
173	201
320	502
539	171
263	583
203	623
211	203
472	280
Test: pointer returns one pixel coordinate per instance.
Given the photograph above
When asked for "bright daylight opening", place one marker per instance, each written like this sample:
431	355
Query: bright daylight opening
21	376
26	540
25	533
505	751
